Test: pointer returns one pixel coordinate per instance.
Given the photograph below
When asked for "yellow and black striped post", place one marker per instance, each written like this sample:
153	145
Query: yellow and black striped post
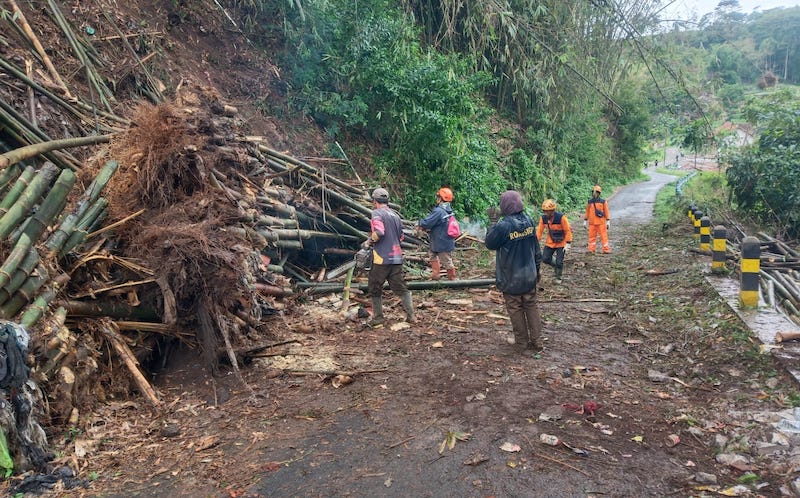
705	233
719	239
690	213
697	215
750	267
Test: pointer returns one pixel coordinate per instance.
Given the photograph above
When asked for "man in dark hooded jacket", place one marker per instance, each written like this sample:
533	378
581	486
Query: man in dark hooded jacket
517	264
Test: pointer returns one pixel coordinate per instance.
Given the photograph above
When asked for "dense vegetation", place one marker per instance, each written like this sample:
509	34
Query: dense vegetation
544	96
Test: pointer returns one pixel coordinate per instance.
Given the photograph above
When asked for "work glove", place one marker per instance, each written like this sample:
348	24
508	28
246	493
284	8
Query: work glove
567	247
608	224
366	244
585	224
493	213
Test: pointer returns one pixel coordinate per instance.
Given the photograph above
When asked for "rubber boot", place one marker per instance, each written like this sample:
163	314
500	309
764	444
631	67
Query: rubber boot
520	327
451	274
559	271
377	311
436	269
408	306
534	331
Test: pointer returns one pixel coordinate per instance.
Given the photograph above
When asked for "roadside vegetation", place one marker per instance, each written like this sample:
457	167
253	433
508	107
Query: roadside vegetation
488	96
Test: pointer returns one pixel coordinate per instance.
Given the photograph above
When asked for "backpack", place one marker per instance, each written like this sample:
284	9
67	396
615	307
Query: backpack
453	230
13	370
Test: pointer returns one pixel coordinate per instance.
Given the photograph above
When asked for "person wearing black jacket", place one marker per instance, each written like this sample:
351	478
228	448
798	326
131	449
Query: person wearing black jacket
518	260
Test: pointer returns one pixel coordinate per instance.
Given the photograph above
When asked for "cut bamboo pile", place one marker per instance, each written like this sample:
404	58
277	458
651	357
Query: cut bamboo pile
203	237
780	276
126	232
779	272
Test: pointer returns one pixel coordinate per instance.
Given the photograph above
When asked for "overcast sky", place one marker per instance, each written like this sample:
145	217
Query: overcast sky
683	9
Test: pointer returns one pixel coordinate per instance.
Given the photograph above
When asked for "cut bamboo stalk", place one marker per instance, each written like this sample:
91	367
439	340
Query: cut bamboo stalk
36	149
35	311
412	285
70	107
273	290
51	206
20	275
21	131
9	176
58	238
14	259
29	197
84	226
113	310
39	49
102	91
307	167
25	294
16	191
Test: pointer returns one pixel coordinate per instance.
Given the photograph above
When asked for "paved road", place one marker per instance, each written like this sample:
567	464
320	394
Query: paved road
634	203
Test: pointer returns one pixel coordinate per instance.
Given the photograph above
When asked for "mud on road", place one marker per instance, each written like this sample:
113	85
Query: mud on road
645	376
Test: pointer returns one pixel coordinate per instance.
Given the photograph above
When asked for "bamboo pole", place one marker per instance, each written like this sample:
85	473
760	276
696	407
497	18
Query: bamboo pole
33	150
52	205
83	226
307	167
412	285
19	186
39	49
68	106
9	176
25	294
35	311
14	259
19	129
20	275
95	80
92	193
31	195
113	310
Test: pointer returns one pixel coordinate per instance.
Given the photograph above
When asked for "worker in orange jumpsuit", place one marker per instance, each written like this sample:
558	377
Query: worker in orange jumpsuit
559	236
598	219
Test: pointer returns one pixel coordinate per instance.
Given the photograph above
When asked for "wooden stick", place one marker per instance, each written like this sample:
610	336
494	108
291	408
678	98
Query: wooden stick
115	224
565	464
129	359
333	372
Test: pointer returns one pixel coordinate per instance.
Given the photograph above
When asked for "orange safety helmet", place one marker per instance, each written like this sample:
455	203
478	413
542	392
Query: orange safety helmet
597	189
446	194
549	205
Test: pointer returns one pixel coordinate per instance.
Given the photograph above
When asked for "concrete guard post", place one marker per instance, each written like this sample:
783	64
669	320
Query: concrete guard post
690	213
719	239
705	233
750	267
697	215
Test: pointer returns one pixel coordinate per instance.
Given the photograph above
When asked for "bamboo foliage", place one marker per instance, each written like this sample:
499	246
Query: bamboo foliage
542	52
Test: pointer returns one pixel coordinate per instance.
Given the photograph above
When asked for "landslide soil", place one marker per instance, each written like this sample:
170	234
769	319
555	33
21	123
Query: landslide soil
429	408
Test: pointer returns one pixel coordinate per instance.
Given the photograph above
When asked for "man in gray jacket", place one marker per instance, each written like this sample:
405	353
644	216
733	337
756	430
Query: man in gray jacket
387	257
